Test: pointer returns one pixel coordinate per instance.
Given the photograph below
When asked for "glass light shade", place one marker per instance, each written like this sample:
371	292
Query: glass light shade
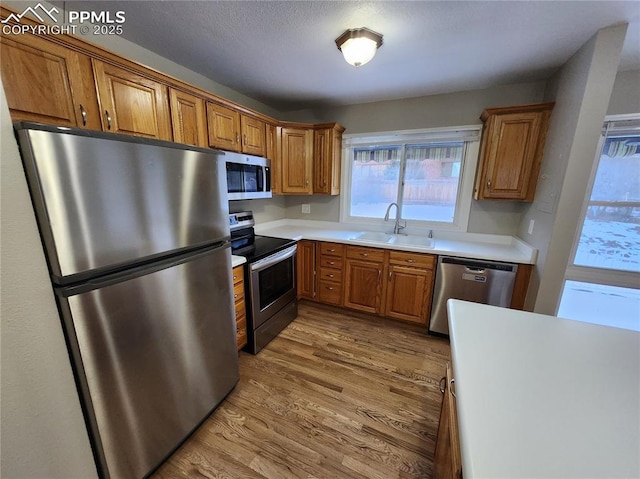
358	51
359	45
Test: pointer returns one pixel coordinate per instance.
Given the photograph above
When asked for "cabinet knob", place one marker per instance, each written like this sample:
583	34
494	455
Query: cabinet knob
234	278
489	184
235	296
237	137
83	112
106	113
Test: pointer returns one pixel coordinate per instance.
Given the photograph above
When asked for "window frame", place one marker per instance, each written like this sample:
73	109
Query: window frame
592	274
468	134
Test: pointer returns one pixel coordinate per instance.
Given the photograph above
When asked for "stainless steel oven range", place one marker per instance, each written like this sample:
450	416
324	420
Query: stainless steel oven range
270	280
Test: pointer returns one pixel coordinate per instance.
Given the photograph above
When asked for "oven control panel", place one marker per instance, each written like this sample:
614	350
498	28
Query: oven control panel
241	220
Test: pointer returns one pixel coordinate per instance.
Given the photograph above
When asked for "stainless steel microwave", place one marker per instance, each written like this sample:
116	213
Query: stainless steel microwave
248	177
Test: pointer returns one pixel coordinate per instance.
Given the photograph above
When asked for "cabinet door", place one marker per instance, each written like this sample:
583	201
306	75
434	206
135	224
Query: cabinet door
132	104
188	119
48	83
224	127
408	294
327	155
296	156
273	157
306	264
447	458
511	153
363	285
253	136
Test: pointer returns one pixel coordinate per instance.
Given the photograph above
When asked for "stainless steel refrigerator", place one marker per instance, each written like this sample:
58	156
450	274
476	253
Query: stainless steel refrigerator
136	235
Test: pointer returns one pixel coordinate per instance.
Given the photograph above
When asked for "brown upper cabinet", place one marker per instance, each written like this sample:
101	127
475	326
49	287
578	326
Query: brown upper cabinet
231	130
224	127
48	83
295	145
132	104
272	155
327	158
511	151
253	136
188	118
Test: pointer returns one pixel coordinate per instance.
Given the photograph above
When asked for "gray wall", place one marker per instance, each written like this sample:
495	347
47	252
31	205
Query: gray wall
454	109
43	433
581	90
625	98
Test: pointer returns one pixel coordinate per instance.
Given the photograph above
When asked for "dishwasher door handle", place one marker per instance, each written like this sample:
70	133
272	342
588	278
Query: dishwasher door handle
475	270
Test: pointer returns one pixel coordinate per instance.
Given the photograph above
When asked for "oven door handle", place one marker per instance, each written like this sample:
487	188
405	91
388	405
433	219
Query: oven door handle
273	259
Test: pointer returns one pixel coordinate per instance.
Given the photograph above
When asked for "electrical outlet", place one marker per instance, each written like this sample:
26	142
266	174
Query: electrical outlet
306	209
531	223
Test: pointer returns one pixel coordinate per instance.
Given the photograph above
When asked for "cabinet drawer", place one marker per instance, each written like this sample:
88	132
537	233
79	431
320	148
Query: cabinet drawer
238	291
329	292
412	259
238	274
241	332
331	274
240	308
330	262
367	254
331	249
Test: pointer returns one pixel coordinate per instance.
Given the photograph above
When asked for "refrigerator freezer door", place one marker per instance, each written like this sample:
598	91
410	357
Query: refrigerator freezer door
153	356
104	201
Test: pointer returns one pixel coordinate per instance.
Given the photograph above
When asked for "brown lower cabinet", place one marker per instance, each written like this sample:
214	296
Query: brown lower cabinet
389	283
241	315
447	457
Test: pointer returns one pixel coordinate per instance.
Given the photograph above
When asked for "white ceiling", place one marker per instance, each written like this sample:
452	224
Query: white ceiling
283	53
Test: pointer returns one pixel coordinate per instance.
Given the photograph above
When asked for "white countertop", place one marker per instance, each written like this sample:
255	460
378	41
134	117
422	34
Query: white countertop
468	245
237	260
544	397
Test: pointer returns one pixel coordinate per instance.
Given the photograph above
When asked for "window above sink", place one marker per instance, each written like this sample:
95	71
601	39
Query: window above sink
428	173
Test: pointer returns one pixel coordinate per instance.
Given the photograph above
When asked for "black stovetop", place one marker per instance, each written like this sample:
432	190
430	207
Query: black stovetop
256	247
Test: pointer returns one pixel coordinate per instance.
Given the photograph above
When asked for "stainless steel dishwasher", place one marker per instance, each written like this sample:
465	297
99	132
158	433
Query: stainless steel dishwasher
486	282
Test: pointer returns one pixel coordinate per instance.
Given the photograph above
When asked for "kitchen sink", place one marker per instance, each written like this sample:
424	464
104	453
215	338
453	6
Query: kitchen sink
407	240
374	237
414	241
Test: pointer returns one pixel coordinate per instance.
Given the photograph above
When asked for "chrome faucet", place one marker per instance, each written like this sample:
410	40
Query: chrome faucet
398	226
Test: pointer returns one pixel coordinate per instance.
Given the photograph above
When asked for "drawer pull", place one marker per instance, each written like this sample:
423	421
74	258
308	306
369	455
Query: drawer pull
443	383
329	276
331	250
451	384
364	254
235	296
332	263
106	112
235	277
411	261
329	288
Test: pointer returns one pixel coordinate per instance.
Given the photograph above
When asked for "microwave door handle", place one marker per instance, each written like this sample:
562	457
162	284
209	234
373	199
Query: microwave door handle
266	179
273	259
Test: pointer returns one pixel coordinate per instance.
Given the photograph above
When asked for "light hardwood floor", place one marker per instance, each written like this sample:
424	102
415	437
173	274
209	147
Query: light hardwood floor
336	395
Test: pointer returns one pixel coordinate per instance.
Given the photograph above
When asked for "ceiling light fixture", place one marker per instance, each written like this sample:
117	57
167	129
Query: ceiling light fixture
359	45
